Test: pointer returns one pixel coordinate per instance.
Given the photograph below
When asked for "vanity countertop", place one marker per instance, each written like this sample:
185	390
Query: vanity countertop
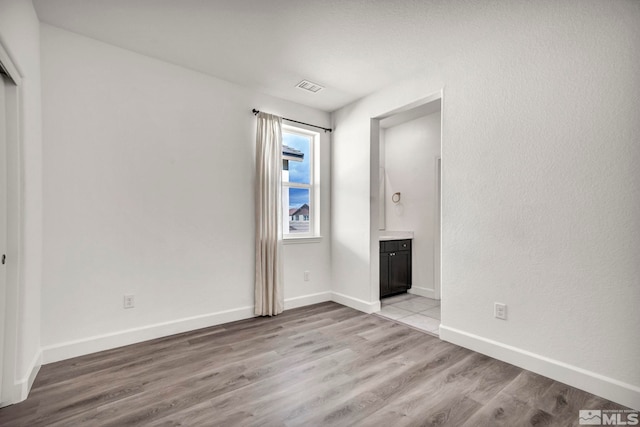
395	235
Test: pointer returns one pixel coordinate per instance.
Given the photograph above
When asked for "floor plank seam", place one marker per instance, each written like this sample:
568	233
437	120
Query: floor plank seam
399	322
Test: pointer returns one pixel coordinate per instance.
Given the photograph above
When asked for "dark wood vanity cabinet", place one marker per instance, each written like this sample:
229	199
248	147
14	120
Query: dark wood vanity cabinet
395	267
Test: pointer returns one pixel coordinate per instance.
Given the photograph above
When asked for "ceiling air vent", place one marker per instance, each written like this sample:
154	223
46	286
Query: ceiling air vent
309	86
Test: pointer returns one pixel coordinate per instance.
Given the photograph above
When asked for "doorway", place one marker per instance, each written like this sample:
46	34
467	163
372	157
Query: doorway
3	226
406	162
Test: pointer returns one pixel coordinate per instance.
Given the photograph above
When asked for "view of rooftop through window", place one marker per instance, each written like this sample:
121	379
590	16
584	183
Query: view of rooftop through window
297	182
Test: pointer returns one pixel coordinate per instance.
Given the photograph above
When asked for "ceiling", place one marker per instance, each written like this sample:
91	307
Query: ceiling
351	47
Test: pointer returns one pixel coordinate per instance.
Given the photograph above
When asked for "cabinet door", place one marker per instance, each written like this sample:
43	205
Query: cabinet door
384	274
399	271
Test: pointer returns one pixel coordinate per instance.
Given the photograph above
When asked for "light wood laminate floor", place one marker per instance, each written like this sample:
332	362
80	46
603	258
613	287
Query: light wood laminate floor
324	364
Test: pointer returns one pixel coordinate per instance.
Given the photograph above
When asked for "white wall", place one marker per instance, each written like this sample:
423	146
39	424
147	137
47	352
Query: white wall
19	32
541	193
149	172
350	204
410	153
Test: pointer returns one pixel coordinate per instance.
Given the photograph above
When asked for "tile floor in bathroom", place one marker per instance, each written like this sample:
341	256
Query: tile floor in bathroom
413	310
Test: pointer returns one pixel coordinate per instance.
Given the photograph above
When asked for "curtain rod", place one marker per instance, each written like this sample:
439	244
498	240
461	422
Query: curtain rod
255	112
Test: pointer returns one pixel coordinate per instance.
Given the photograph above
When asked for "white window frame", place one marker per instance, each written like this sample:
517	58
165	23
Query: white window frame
314	188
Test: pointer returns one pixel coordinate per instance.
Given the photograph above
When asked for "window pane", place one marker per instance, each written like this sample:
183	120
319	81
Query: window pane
296	152
298	202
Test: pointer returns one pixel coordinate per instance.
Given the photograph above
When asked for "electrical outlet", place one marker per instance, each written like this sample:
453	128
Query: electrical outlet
500	311
129	301
306	276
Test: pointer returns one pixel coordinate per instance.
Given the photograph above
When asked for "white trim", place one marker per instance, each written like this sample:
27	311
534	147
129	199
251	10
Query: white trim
69	349
304	300
8	389
375	142
8	65
600	385
437	226
21	388
313	186
423	292
26	383
358	304
297	240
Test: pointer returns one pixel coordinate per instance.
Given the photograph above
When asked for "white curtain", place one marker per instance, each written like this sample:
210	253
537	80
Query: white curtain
269	295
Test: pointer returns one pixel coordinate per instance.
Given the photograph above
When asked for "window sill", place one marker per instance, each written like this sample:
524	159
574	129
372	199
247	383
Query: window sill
297	240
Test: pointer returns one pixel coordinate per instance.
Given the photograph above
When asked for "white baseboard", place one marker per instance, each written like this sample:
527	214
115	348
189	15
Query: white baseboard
600	385
67	350
358	304
609	388
423	292
22	387
27	383
296	302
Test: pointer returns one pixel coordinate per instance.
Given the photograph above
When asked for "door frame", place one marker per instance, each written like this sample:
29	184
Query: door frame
10	387
374	193
437	224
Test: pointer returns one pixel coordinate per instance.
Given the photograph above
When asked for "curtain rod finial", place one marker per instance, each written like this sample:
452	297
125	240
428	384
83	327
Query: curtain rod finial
255	112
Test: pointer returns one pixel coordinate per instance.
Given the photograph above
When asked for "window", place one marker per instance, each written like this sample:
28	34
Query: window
300	195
